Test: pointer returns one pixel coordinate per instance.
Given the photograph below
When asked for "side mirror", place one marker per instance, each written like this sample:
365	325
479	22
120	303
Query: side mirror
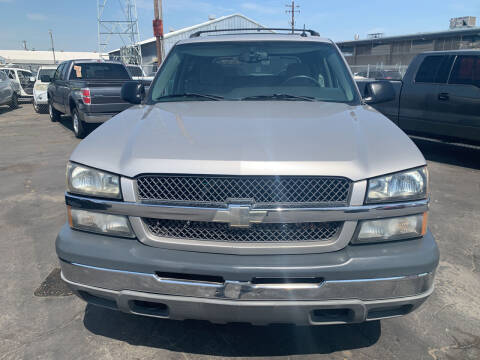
33	79
378	91
45	78
133	92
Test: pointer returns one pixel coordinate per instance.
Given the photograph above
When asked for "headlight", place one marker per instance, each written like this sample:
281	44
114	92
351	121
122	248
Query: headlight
405	185
41	87
88	181
100	223
398	228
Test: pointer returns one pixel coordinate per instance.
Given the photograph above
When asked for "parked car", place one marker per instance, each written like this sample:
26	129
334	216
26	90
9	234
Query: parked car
380	74
40	99
8	91
251	185
438	97
24	79
88	91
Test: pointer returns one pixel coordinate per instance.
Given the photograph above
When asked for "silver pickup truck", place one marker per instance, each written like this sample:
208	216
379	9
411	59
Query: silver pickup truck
251	184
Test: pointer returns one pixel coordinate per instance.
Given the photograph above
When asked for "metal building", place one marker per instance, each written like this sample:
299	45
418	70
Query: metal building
400	50
149	54
32	59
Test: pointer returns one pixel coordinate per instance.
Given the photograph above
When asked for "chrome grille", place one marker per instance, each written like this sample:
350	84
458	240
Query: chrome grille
305	190
211	231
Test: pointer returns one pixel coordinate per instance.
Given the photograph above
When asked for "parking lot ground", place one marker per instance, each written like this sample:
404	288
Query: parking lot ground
56	325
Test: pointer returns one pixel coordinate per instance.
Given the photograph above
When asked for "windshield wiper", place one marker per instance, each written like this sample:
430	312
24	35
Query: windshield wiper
189	94
279	97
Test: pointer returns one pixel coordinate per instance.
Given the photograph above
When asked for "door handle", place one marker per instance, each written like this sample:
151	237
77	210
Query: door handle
443	96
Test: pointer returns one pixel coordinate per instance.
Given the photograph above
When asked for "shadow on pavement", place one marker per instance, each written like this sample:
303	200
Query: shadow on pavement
199	337
66	122
6	109
448	153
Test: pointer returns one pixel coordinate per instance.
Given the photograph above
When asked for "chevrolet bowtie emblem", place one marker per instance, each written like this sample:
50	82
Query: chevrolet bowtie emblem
239	216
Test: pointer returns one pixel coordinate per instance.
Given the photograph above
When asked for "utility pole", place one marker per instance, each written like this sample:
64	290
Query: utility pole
53	49
158	29
292	10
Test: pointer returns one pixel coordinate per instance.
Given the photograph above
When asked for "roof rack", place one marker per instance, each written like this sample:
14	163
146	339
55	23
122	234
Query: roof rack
303	31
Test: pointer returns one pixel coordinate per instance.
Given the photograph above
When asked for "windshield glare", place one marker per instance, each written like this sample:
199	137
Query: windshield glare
261	70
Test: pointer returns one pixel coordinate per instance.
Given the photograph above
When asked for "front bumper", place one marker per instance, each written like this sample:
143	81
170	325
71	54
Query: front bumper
355	284
257	312
40	97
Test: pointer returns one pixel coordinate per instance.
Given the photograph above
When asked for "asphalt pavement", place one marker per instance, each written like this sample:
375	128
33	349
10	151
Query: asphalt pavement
42	320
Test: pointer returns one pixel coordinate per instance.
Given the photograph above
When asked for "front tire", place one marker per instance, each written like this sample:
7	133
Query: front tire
36	107
54	114
79	126
14	101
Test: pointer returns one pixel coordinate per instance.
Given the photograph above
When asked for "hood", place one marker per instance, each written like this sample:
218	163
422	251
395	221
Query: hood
249	138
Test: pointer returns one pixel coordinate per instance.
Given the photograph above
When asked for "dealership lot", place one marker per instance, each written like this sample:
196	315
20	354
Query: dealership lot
45	322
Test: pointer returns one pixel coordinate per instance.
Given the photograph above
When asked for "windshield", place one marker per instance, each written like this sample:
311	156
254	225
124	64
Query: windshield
49	72
260	70
99	71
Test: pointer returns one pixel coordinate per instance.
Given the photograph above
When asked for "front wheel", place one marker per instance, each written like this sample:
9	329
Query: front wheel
54	114
36	107
14	101
79	126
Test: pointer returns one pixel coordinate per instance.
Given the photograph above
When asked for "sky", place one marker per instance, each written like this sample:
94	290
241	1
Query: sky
74	22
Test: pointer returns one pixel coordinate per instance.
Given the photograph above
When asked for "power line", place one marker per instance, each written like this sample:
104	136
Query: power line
53	48
292	10
158	29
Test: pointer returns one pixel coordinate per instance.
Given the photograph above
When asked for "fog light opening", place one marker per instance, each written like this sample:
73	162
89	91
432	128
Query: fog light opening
149	308
332	315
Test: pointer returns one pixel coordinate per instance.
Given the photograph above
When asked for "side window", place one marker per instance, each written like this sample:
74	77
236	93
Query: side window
444	70
59	70
64	71
11	74
3	77
466	71
434	69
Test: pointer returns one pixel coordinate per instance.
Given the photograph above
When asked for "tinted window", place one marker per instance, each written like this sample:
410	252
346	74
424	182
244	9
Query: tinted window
466	71
444	70
253	70
135	71
49	72
3	76
434	69
100	71
59	71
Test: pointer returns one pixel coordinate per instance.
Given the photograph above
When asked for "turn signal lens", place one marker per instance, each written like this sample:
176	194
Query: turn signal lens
398	228
99	223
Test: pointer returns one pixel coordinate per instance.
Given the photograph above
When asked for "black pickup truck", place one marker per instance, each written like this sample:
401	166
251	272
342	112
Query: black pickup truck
88	90
439	96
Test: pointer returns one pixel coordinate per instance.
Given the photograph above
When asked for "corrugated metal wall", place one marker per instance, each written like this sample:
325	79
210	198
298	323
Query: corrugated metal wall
400	52
149	52
233	22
